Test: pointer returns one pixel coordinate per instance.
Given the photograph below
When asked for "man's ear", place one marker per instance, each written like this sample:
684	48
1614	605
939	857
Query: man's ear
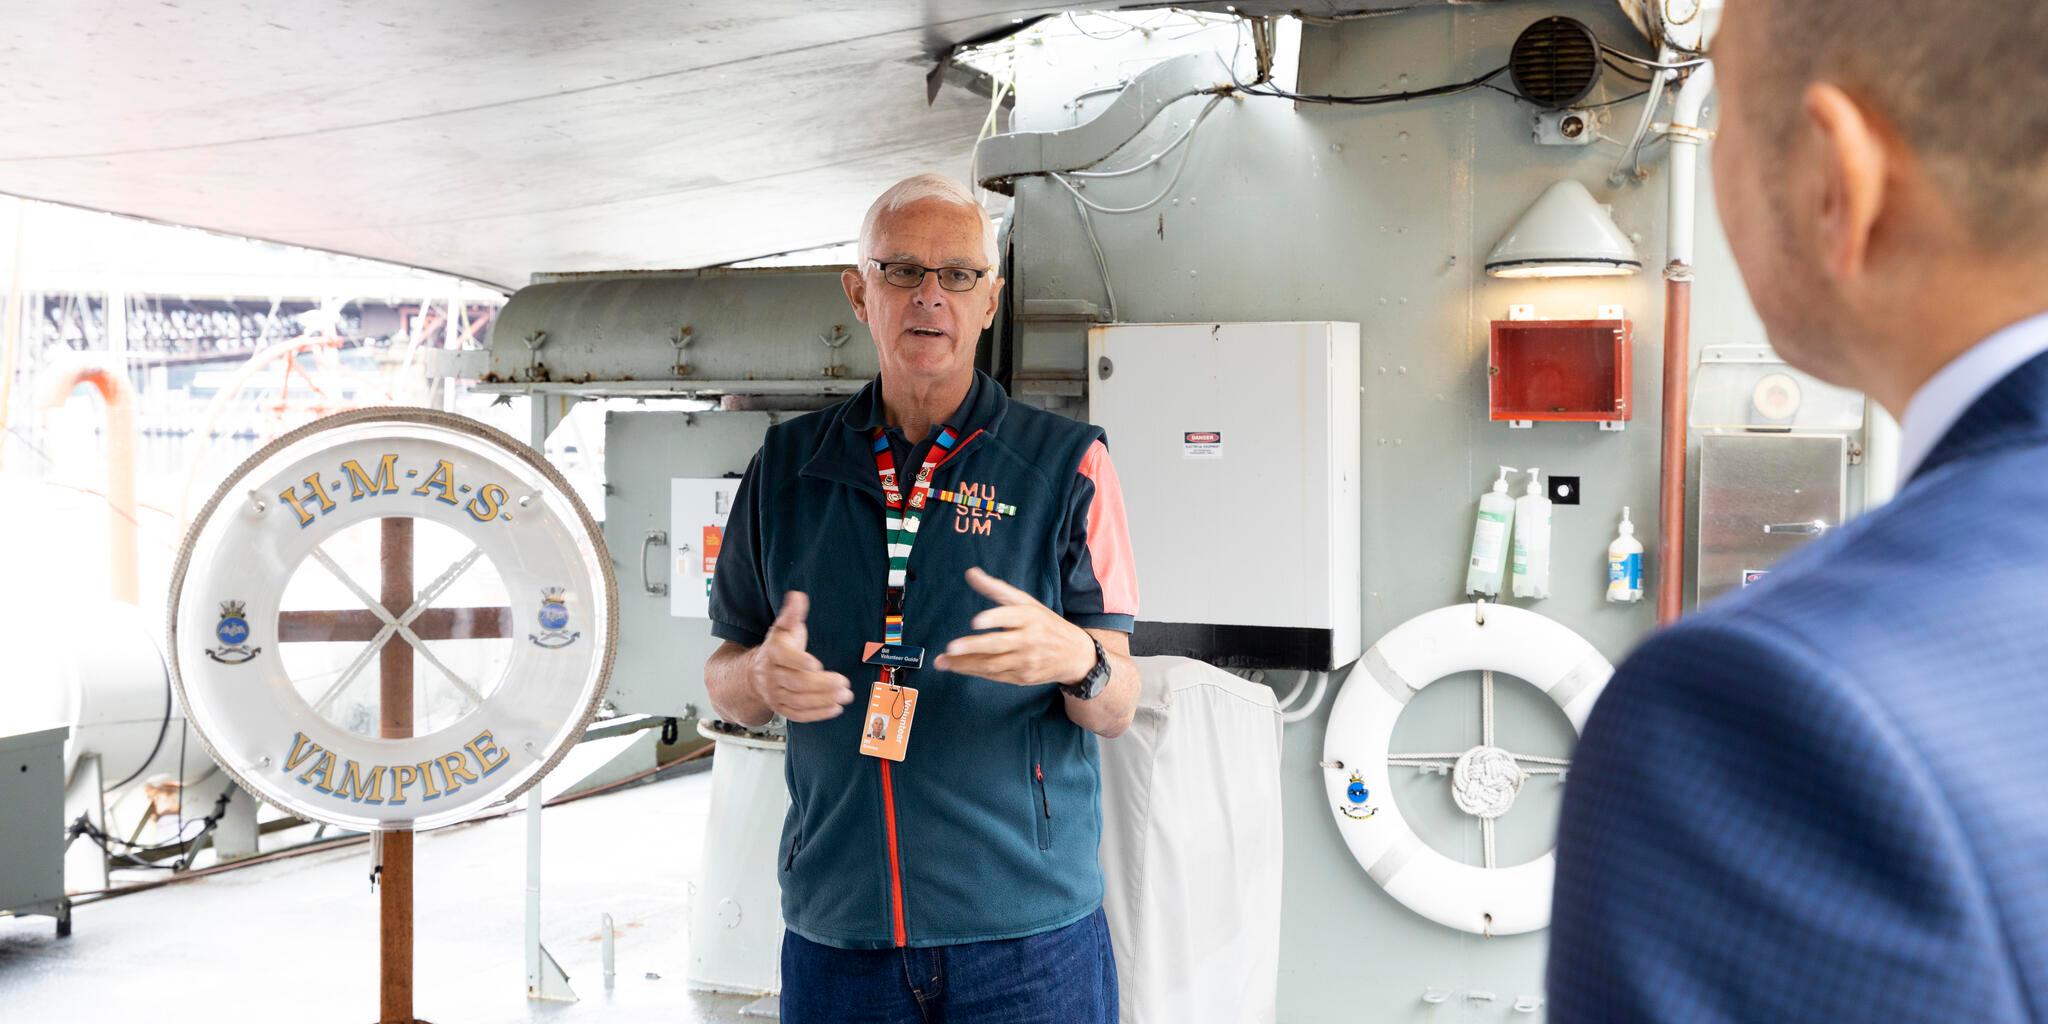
994	295
1853	165
856	292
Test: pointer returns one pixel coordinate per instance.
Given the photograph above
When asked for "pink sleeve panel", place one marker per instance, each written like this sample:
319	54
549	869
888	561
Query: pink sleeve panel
1109	535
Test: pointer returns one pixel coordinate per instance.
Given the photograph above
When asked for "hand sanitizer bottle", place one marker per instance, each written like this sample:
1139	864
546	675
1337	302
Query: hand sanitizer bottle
1625	564
1532	540
1490	538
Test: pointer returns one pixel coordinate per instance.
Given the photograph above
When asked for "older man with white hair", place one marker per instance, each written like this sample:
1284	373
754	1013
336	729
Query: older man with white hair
958	563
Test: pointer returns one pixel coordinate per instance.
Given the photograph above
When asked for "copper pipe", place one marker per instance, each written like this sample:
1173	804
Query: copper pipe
1671	475
1687	136
118	397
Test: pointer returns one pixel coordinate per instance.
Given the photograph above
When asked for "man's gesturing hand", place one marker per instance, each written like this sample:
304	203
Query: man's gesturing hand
1032	645
787	678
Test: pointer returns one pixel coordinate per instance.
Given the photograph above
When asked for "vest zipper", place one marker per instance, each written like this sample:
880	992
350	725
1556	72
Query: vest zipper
895	863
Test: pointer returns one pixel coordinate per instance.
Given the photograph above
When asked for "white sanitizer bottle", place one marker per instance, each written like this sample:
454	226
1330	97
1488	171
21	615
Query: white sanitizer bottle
1625	564
1532	540
1490	538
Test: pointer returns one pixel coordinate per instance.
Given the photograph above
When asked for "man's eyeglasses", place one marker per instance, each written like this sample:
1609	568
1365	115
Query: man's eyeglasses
911	275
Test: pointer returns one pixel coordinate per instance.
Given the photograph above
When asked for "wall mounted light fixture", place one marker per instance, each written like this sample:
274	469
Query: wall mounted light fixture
1565	233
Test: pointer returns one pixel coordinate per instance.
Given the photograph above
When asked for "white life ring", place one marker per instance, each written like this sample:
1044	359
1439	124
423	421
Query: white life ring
285	602
1429	647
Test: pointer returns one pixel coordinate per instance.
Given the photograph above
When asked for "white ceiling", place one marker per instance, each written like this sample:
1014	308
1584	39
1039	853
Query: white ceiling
492	138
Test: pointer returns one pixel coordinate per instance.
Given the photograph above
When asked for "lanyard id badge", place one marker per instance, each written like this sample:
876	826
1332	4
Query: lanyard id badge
885	732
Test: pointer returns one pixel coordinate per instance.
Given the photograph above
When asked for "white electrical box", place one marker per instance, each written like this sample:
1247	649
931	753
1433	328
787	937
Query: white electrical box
1237	445
697	512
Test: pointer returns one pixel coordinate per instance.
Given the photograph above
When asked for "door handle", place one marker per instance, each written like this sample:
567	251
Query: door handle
1812	528
646	543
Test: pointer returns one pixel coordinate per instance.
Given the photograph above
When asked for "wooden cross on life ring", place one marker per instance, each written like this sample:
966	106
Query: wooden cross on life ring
397	613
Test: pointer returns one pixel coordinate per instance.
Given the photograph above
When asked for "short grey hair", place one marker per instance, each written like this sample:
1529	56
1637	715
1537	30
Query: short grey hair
919	187
1962	79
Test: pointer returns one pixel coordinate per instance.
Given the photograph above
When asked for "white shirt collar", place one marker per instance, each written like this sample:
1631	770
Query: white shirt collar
1949	393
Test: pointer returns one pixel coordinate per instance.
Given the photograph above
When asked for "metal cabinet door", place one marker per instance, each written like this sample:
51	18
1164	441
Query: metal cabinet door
659	669
1760	496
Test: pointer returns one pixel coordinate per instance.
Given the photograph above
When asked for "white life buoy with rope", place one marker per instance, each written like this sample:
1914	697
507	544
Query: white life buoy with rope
1357	758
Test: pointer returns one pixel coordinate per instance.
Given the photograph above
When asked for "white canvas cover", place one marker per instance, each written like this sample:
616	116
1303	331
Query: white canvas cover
1191	848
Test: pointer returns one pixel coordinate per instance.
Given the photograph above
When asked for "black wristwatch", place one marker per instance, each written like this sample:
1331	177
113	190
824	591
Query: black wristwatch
1096	679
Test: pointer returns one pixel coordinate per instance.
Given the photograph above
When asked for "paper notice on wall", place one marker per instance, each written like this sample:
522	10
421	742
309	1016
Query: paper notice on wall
1201	444
697	515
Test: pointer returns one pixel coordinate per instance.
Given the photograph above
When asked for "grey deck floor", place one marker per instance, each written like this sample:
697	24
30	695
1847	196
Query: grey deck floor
296	939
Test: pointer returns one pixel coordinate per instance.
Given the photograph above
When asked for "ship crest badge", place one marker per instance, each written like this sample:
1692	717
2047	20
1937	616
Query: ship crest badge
233	633
554	620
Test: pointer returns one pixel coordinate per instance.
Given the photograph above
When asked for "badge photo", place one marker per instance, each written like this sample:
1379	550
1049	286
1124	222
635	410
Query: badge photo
887	733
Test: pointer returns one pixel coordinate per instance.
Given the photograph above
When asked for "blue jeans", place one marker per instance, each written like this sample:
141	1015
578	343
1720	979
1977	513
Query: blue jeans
1064	976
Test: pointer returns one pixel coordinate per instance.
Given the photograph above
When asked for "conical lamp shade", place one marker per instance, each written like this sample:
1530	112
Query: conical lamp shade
1565	233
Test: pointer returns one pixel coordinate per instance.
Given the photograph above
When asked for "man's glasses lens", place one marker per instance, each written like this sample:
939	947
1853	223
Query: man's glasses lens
910	275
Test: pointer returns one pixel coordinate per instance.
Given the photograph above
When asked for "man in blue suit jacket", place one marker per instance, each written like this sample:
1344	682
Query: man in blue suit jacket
1826	798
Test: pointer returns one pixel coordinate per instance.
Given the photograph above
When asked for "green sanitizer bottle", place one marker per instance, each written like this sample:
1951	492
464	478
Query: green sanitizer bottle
1490	538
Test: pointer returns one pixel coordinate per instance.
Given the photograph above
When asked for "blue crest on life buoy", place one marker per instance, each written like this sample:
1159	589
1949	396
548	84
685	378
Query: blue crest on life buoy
233	632
554	610
554	618
1357	794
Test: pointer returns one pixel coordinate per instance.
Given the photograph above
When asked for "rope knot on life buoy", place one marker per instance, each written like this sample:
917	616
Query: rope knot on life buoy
1485	782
